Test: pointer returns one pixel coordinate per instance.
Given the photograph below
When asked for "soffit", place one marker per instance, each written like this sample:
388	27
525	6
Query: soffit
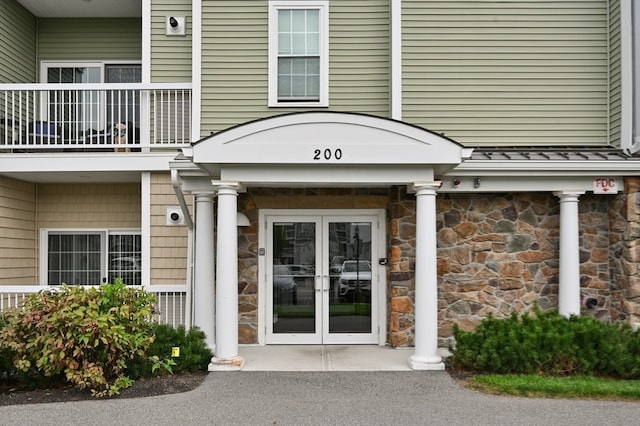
83	8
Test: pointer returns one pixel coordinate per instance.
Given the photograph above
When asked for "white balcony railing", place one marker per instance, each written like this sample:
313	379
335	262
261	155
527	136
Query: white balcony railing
172	305
86	117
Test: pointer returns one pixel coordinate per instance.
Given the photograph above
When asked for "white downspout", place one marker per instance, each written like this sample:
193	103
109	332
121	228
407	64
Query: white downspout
396	59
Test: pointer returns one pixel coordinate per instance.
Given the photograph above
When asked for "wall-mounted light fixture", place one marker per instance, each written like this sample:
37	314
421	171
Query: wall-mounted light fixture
176	26
243	220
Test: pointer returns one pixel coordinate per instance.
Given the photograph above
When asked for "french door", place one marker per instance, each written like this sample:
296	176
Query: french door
322	279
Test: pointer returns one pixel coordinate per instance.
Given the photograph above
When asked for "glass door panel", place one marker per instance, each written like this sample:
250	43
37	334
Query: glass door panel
349	304
321	279
293	294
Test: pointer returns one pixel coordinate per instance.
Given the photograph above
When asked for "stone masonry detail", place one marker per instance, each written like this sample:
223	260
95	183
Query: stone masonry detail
497	253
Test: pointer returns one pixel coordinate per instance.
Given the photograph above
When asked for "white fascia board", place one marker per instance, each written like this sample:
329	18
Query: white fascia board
546	168
325	175
103	162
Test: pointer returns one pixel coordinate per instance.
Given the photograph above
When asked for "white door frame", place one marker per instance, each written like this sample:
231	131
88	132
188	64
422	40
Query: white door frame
379	306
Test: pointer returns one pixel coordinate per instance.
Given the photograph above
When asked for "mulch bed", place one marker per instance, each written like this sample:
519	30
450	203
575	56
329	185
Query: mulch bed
10	394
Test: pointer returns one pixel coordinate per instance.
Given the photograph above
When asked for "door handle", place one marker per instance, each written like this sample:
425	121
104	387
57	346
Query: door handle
323	286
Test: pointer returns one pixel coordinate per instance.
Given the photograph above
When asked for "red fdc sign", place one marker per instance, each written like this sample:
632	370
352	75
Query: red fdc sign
605	186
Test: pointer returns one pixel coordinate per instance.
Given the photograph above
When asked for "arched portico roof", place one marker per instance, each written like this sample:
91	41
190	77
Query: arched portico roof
325	148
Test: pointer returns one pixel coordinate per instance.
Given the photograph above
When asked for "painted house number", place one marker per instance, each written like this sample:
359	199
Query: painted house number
327	154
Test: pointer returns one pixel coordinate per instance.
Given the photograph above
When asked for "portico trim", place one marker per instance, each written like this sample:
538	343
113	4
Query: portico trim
320	149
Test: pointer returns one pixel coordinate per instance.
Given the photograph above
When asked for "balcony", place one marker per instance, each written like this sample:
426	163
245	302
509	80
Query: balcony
125	117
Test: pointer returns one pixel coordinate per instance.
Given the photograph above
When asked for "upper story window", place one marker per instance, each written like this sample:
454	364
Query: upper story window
298	53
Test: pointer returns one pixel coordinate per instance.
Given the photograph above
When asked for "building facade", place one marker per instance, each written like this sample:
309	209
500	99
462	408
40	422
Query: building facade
323	171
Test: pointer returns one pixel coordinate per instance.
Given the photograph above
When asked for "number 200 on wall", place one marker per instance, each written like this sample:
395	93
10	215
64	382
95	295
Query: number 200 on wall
327	154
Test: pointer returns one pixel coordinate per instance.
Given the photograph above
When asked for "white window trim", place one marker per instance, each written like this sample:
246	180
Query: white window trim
44	65
323	7
105	232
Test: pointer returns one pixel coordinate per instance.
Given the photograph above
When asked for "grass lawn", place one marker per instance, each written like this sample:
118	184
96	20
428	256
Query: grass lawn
557	387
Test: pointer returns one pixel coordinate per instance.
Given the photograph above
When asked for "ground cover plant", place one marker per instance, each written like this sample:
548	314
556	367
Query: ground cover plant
93	338
546	343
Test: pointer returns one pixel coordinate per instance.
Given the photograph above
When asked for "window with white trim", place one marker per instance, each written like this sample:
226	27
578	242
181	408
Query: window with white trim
298	53
91	257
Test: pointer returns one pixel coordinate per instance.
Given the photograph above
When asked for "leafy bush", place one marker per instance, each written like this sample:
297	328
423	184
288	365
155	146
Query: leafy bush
194	354
86	334
7	368
548	343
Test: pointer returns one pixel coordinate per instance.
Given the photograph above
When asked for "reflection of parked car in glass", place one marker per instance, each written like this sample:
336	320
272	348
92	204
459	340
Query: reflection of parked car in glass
302	270
284	286
355	278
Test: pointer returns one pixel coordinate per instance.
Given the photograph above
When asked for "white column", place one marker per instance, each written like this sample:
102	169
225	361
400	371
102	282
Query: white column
569	287
226	355
425	356
203	289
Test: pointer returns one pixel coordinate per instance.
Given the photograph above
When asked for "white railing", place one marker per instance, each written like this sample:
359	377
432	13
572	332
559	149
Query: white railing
172	306
111	117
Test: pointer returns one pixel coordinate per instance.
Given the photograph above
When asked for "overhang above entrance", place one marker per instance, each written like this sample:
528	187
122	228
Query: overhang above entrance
327	138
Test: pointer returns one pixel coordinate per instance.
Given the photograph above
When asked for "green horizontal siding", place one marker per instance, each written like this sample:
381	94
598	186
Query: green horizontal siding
507	72
170	55
235	61
89	39
18	43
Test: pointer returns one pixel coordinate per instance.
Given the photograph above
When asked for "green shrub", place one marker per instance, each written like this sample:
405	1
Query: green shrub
86	334
194	354
548	343
7	369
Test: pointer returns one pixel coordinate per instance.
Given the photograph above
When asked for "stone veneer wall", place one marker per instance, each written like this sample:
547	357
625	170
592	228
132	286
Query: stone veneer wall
625	261
497	253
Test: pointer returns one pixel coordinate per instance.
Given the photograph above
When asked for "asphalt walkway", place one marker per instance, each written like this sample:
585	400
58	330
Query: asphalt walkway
336	392
326	398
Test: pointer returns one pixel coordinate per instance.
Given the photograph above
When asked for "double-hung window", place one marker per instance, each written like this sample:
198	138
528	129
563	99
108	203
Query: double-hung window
298	53
90	257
